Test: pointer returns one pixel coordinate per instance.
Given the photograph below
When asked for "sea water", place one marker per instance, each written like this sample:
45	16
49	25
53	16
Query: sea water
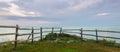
12	30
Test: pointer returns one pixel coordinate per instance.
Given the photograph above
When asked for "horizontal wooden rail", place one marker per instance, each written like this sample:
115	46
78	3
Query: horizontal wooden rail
24	34
89	30
25	29
102	36
7	26
28	33
34	38
109	31
109	37
102	31
7	34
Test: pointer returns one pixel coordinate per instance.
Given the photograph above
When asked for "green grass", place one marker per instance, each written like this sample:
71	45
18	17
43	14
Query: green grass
48	46
63	44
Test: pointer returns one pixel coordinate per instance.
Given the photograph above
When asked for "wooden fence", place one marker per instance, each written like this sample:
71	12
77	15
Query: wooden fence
60	30
31	34
96	35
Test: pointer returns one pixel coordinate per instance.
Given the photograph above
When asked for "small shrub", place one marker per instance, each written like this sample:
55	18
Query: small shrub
62	38
51	36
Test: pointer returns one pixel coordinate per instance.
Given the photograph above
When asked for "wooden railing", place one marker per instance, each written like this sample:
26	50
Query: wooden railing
31	34
94	35
60	30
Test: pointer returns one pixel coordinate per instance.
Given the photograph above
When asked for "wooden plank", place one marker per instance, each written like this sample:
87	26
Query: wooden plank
81	33
60	30
7	34
32	35
89	30
24	34
29	34
109	37
33	38
16	36
25	29
52	30
102	36
102	31
109	31
96	35
7	26
41	32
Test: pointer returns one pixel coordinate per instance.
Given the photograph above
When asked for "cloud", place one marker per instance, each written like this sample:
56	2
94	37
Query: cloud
53	7
26	22
102	14
46	8
83	4
15	10
7	1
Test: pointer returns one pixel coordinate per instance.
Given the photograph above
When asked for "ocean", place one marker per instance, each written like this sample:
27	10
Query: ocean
12	30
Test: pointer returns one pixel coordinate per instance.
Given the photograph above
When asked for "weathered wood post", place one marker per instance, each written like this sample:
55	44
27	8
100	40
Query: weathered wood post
60	31
41	33
52	30
96	35
32	35
16	36
81	33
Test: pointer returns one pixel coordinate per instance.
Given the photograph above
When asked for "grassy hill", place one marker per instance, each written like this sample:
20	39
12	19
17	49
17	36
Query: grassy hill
61	43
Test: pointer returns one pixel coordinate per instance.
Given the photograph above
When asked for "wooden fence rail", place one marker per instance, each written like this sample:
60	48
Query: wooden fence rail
7	34
17	28
53	30
7	26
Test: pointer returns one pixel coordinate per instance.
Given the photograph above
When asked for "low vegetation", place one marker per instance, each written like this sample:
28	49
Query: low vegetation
55	42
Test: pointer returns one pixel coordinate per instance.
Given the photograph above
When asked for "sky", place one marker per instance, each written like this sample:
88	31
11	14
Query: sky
84	13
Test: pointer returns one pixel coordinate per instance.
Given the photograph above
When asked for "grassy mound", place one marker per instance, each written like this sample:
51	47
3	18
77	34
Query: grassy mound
62	38
47	46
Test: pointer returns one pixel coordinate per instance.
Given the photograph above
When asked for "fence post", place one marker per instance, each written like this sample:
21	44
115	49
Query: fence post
60	31
41	33
96	35
81	33
52	30
32	35
16	35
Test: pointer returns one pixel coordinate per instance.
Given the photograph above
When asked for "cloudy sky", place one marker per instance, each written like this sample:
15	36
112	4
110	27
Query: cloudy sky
60	12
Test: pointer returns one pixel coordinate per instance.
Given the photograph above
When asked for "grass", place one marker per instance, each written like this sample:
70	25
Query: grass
48	46
62	44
